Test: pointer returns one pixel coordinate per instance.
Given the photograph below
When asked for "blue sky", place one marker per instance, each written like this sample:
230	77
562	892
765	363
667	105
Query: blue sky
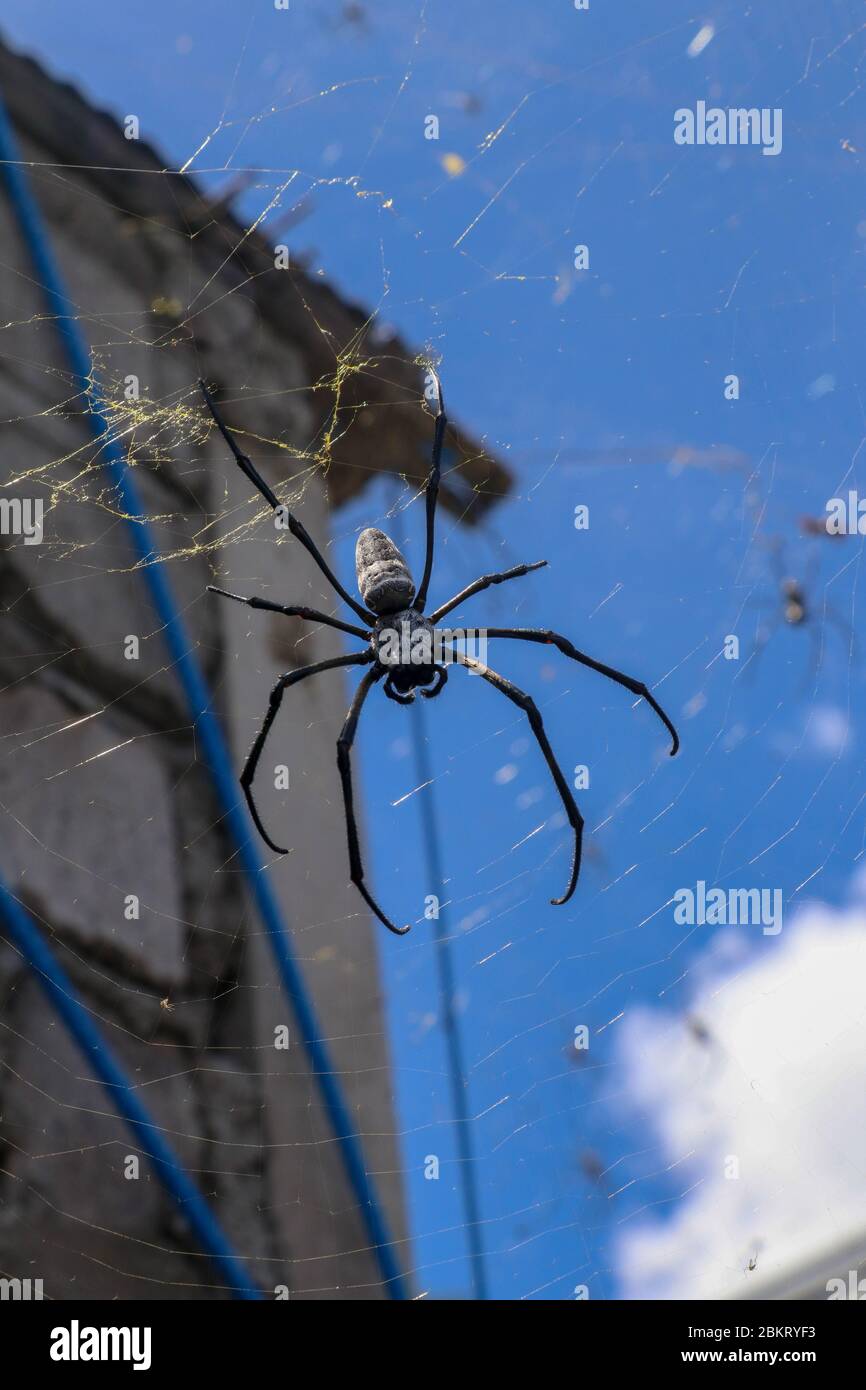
703	262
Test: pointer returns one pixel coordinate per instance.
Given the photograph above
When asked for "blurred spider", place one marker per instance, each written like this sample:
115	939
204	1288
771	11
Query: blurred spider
395	610
793	605
816	526
351	17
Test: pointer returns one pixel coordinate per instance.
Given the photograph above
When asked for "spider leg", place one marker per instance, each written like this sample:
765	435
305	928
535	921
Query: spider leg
312	615
761	641
760	603
484	582
297	530
842	626
813	567
778	555
432	494
816	656
344	763
276	697
527	704
529	634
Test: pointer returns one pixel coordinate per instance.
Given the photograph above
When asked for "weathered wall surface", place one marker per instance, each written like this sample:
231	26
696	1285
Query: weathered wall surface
103	798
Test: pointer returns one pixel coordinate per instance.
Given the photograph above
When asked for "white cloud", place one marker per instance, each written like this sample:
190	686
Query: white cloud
821	386
829	729
780	1083
700	40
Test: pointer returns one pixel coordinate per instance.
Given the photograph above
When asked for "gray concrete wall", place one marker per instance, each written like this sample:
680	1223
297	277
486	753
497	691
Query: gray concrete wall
103	795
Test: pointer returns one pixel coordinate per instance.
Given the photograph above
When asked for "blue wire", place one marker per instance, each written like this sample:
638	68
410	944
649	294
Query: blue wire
198	700
450	1020
447	981
123	1096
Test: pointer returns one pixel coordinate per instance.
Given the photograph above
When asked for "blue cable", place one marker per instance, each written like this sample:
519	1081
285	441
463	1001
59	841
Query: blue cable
123	1096
204	720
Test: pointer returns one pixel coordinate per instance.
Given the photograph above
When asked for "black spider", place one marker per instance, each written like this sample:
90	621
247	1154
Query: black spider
393	607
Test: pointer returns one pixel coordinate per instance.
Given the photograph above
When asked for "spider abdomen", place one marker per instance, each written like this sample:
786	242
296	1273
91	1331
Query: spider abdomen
384	581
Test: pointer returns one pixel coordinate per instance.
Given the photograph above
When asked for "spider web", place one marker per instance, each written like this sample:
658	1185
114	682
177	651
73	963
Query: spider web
599	1170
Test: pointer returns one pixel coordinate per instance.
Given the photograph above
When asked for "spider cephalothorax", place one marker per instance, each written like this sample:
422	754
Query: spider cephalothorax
402	650
406	644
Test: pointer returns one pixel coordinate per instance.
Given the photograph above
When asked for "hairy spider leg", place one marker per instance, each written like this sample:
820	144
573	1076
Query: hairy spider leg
344	763
530	709
432	493
544	635
478	585
274	702
312	615
297	530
